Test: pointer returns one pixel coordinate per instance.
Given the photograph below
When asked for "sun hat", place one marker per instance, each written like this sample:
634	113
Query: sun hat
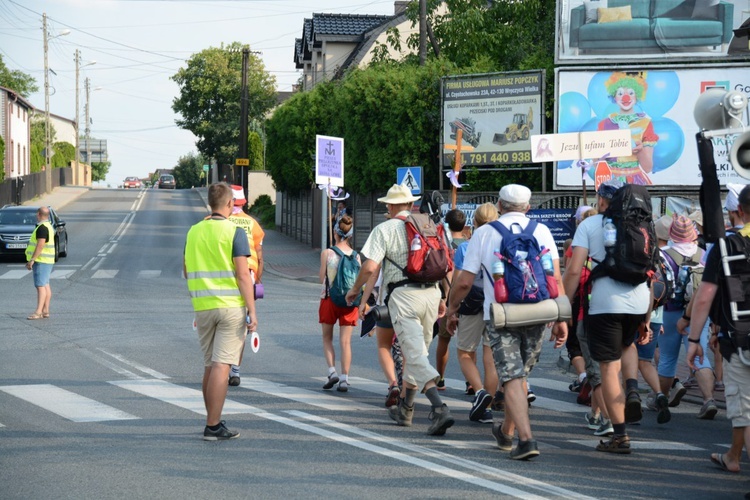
398	194
608	188
582	210
662	226
515	193
733	202
238	196
696	217
682	230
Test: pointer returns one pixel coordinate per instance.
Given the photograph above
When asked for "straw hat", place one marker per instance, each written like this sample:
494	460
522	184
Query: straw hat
682	230
398	194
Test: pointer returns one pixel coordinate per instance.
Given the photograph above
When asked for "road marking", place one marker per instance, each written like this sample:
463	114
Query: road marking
319	399
137	366
182	397
411	458
67	404
642	445
61	274
15	274
105	273
149	273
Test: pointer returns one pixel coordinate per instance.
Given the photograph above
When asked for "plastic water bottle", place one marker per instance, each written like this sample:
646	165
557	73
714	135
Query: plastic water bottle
416	243
680	284
549	273
498	274
531	287
498	268
610	233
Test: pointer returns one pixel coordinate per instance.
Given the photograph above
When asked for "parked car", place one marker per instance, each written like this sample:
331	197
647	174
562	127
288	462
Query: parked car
132	183
166	181
17	222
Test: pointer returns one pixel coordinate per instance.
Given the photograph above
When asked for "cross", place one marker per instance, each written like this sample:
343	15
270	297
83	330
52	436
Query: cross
457	160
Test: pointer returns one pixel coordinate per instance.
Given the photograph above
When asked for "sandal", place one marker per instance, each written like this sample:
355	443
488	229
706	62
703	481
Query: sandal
35	316
718	459
616	444
45	315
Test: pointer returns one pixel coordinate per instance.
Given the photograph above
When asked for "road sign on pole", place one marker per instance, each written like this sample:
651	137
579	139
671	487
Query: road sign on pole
242	162
205	168
411	177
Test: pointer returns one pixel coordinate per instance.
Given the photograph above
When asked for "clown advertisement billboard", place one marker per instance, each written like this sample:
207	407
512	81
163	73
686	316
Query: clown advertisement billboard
594	31
496	114
656	105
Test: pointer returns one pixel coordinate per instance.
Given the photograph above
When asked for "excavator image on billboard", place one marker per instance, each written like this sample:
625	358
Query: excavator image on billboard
520	129
468	126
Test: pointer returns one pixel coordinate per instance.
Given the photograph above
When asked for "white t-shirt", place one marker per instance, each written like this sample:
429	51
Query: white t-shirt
608	296
484	242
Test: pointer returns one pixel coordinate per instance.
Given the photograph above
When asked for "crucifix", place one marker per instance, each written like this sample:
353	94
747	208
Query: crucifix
458	147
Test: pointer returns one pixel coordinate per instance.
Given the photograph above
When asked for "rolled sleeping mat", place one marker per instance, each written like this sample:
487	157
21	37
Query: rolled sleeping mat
539	313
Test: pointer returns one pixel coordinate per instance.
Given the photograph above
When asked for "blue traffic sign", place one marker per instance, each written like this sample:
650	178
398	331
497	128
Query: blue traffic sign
411	177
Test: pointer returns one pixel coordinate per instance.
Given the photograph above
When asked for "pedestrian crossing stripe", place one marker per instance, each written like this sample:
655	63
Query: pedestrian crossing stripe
105	273
61	274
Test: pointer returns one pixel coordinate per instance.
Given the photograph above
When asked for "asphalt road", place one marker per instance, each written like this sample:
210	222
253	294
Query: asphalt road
103	399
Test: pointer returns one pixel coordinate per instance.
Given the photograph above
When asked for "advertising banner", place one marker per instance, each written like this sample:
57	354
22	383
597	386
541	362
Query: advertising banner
590	31
656	105
560	222
497	113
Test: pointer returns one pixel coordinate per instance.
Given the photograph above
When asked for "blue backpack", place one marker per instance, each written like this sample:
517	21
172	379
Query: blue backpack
346	275
524	275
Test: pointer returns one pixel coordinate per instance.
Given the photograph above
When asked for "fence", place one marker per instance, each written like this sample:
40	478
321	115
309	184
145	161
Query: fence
19	190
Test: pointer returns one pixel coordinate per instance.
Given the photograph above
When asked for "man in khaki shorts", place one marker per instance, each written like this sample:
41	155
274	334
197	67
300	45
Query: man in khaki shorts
221	290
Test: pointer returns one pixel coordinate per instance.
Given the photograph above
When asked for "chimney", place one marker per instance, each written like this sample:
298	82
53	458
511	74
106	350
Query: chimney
399	7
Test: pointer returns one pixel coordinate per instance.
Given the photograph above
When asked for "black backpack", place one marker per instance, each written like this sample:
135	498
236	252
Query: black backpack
663	282
634	256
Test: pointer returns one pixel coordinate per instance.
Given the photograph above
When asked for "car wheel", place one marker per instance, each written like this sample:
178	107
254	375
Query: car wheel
57	249
64	251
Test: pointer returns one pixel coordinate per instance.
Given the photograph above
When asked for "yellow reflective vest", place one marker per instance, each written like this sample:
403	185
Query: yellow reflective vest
210	269
48	252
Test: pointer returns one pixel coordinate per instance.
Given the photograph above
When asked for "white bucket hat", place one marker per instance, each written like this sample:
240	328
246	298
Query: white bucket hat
397	195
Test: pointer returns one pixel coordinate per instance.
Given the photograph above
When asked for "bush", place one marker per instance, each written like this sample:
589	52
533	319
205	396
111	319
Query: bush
265	211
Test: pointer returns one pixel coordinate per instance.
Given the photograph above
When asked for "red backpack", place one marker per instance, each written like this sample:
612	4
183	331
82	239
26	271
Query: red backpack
430	257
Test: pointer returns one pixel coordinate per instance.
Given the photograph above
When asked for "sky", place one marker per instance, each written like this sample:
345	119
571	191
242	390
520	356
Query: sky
138	45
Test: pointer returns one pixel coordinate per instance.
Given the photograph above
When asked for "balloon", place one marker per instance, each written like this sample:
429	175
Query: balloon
574	110
671	143
601	103
561	165
661	96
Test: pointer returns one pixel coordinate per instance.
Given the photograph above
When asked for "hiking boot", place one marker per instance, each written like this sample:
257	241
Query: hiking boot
616	444
481	402
605	428
633	409
676	394
441	384
401	413
486	417
441	421
393	394
584	395
592	421
708	410
333	379
221	434
234	381
504	441
577	385
662	408
498	402
525	450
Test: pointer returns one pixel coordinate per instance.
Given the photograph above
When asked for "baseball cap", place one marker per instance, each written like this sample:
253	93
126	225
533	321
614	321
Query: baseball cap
608	188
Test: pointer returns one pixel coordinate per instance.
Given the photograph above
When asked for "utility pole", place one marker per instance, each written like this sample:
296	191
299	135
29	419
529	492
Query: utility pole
76	172
87	85
422	32
243	119
47	126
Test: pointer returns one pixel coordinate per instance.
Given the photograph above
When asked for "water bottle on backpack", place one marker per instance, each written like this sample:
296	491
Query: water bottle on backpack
549	273
531	287
498	275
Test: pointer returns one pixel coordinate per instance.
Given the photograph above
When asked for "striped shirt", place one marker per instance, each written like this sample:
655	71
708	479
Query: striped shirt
388	239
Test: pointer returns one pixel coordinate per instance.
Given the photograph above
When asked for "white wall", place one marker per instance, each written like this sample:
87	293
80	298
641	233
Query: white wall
18	139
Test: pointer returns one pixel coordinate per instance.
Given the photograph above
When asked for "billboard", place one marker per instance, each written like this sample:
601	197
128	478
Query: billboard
656	105
497	114
590	31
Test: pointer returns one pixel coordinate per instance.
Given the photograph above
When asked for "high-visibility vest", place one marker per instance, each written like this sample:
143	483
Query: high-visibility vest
247	223
48	252
210	269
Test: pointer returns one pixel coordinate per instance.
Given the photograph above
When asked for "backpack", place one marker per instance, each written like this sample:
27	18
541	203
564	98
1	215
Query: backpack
686	284
521	254
633	258
430	258
663	282
346	275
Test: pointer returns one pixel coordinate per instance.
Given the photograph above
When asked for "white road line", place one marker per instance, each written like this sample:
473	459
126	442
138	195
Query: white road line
105	273
546	489
112	366
15	274
66	404
642	445
182	397
61	274
318	399
112	248
137	366
149	273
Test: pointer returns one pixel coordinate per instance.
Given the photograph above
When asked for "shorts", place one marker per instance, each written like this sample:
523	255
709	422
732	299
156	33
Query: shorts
646	351
41	272
329	313
515	350
737	391
443	329
609	333
470	332
573	344
221	333
671	342
593	372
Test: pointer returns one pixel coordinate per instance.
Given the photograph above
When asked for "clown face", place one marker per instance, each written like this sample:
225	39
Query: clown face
625	98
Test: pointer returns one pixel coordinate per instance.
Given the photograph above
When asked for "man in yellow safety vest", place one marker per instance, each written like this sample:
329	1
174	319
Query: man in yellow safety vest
40	257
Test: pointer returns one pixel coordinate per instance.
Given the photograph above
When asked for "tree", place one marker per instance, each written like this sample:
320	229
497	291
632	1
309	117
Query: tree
17	81
64	153
38	142
209	99
99	170
187	172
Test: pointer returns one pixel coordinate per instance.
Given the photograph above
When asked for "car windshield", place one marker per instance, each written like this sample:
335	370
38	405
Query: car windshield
131	179
167	178
17	217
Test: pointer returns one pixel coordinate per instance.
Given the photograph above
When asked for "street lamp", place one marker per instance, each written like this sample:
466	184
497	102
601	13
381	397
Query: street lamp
48	135
87	85
76	174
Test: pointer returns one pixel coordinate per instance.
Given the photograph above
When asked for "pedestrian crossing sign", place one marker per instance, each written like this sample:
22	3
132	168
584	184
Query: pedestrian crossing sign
411	177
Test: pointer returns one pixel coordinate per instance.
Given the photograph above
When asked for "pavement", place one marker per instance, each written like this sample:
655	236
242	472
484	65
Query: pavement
288	258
